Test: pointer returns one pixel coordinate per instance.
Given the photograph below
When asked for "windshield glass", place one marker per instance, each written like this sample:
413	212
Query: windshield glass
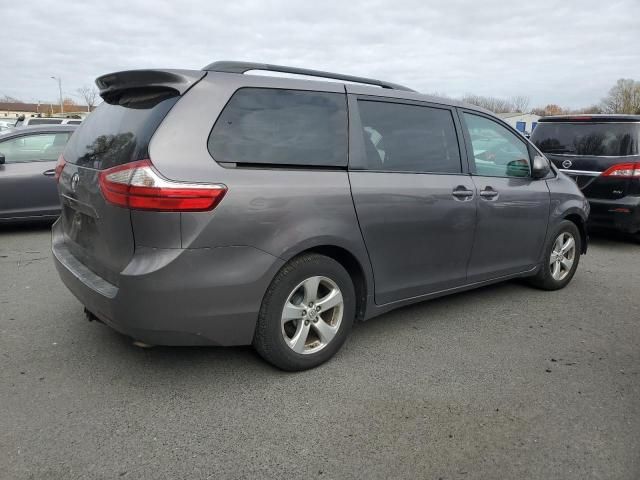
599	139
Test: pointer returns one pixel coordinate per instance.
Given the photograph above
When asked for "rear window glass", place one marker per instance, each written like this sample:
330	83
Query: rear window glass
282	127
408	138
599	139
117	133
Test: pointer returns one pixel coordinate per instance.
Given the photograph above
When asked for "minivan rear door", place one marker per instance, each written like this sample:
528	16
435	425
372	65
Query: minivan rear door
98	233
414	202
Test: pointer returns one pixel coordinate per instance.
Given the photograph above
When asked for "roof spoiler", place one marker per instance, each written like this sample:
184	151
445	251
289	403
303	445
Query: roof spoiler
112	85
243	67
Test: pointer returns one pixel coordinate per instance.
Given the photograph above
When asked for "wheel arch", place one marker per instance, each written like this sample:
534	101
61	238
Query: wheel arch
362	280
582	228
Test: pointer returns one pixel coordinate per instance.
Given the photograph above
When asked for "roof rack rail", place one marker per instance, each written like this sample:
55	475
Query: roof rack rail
243	67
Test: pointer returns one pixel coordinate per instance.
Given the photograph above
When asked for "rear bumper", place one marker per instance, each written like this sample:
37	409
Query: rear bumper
622	214
204	296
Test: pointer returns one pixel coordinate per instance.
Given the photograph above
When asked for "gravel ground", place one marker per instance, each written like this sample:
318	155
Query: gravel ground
502	382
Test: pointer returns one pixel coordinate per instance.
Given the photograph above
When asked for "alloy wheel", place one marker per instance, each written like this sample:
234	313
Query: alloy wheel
312	315
562	256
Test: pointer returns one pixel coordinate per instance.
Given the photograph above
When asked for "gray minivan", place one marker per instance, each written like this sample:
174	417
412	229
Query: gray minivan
217	207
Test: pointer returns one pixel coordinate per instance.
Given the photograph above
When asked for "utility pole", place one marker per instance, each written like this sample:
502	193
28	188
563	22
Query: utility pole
60	90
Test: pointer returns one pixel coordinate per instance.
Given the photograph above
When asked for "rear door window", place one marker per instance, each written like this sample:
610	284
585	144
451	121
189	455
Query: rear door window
43	147
282	127
408	138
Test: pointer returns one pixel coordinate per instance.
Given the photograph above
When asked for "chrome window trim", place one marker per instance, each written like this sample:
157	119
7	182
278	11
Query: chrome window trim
589	173
596	156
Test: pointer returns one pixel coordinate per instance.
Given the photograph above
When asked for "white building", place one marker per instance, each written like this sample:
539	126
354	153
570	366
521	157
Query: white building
523	122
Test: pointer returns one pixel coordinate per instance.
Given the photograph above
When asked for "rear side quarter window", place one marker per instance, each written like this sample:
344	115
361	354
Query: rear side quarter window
265	126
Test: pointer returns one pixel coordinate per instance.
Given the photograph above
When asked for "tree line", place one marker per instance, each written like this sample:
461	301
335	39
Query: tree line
87	93
623	97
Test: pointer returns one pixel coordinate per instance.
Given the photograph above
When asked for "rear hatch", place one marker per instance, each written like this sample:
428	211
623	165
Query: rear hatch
589	149
98	233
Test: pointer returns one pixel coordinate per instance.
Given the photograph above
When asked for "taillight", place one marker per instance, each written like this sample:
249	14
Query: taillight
624	170
59	167
139	186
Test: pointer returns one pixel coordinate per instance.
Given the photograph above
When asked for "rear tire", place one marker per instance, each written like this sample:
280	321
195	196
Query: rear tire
306	313
561	258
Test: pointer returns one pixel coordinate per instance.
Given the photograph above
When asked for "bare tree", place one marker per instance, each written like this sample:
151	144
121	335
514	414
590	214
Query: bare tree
520	103
624	97
69	101
439	94
496	105
592	109
9	99
90	95
551	109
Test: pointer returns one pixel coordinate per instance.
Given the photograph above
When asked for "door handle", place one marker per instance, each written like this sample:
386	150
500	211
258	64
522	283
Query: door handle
488	193
49	173
462	193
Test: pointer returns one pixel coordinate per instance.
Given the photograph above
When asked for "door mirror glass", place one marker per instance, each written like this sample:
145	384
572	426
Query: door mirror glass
540	167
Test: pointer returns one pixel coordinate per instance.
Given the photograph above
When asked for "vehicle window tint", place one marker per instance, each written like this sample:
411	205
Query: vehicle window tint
34	148
285	127
497	151
584	138
119	130
408	138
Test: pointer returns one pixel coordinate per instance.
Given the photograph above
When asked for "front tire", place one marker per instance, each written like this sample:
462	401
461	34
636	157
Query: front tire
561	258
306	313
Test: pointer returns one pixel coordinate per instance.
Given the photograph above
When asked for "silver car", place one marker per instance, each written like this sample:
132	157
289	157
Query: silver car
216	207
28	156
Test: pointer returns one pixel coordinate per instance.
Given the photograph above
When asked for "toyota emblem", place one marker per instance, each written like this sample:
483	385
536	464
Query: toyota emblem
74	182
567	164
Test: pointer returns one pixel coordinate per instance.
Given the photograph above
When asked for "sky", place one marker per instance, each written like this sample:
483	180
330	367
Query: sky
568	52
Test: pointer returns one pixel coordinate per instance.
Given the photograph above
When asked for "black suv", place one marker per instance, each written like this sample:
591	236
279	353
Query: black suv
601	153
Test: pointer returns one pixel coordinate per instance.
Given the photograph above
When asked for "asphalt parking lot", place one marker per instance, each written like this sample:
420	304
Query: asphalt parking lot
502	382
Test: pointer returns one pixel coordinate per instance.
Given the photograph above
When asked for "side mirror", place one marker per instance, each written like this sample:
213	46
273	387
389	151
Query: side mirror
2	159
540	167
518	168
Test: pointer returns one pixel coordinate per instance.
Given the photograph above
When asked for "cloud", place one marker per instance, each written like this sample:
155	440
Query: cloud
568	53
